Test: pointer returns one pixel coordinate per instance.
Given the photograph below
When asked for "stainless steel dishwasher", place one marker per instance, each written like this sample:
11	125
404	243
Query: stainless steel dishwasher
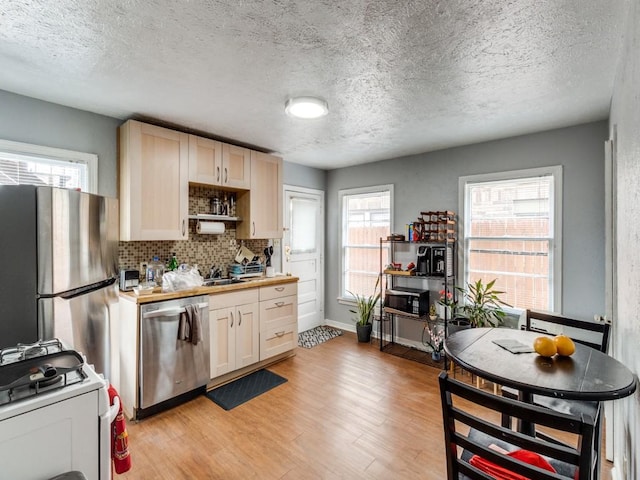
170	367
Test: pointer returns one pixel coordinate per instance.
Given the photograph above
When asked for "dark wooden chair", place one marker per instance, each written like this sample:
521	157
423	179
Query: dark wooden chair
597	329
580	330
468	434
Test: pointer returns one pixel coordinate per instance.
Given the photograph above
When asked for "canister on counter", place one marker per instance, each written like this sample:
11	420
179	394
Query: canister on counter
216	206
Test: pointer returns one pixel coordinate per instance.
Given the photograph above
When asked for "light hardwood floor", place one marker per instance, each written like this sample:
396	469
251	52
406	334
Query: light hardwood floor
348	411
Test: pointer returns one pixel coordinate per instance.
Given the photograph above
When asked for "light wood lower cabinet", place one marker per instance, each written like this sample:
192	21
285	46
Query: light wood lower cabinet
252	325
235	333
278	319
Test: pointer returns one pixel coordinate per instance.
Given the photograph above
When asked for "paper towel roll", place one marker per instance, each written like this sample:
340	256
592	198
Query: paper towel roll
208	228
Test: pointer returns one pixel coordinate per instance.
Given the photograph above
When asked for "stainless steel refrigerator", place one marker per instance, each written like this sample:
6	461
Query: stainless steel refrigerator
58	269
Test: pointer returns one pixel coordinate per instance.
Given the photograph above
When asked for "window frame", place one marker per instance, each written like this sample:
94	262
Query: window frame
555	240
342	194
27	150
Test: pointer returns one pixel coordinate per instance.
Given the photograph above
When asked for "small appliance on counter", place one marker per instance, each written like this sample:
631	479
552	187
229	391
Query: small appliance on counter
422	263
440	255
129	279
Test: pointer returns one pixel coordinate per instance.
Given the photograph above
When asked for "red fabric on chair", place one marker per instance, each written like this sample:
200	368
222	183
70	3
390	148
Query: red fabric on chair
501	473
119	438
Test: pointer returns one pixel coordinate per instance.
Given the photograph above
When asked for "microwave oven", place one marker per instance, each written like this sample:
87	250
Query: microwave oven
407	300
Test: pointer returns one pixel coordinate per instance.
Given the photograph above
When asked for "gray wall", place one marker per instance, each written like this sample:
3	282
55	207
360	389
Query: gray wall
625	118
27	120
430	182
301	176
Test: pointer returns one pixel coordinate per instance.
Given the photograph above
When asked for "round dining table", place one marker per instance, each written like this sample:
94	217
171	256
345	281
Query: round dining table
586	375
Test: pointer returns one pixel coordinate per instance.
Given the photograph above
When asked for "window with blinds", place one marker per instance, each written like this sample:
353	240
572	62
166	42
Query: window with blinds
24	164
366	217
512	232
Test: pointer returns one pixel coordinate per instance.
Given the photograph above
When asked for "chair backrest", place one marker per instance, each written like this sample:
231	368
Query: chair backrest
601	328
475	415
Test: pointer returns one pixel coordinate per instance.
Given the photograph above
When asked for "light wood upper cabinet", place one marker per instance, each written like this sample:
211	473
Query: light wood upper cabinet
154	182
261	208
219	164
205	161
236	166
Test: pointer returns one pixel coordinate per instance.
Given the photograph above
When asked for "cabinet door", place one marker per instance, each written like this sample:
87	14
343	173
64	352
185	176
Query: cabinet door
154	183
236	166
247	335
261	207
223	345
205	161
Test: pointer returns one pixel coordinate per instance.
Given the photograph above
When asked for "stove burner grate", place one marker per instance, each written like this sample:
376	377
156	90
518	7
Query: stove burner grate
24	374
24	351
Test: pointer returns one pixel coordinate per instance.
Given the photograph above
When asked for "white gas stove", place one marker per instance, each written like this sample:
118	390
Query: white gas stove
54	414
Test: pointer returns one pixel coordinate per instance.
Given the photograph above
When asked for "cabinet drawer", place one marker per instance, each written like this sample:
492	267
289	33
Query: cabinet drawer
232	299
278	312
276	291
278	340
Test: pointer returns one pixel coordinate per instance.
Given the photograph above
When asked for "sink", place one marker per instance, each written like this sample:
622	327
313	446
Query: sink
214	282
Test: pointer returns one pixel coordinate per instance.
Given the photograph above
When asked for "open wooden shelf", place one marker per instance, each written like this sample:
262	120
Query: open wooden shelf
404	273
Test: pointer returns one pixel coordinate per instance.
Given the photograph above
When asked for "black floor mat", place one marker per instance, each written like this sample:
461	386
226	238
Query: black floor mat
244	389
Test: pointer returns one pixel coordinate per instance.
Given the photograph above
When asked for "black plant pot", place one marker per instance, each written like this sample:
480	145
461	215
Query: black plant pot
364	332
458	323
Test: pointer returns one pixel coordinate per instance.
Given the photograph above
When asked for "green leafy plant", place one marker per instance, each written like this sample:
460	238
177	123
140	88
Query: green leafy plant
365	306
482	304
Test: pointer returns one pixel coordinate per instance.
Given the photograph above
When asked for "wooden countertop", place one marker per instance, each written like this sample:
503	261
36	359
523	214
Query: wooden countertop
157	294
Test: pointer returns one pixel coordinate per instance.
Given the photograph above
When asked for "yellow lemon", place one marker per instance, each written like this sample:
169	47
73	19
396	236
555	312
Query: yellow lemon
564	345
545	346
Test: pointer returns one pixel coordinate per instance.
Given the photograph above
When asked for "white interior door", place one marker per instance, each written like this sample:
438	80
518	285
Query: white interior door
303	250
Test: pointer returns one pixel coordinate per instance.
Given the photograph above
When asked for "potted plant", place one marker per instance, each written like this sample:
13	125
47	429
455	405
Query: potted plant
482	304
365	306
433	314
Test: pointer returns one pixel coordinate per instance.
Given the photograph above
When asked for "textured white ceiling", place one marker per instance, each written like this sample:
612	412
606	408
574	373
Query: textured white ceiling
400	77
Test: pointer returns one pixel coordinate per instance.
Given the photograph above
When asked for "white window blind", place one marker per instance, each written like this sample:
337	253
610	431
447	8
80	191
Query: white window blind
24	164
366	217
512	232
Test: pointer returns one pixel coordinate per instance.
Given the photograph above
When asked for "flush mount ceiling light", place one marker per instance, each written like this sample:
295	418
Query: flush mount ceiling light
306	107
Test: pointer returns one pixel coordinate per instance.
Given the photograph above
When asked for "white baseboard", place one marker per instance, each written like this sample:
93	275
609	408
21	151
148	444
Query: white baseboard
351	327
